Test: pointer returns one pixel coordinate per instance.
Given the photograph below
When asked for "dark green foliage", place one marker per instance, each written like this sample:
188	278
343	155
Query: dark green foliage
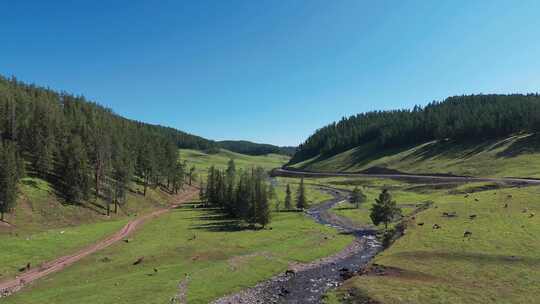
251	148
357	197
301	200
288	198
81	147
75	170
243	196
9	176
459	118
384	210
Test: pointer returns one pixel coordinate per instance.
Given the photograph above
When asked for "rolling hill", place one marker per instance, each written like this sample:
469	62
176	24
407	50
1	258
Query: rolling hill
477	135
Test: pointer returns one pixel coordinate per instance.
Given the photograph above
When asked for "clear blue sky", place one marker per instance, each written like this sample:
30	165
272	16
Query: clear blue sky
270	71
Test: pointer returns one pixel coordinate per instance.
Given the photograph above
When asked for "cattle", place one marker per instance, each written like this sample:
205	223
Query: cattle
138	261
421	224
436	226
506	205
531	215
472	216
467	234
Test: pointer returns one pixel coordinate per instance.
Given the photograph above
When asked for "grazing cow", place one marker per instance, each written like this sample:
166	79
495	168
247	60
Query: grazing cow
421	224
531	215
467	234
436	226
472	216
476	200
506	205
138	261
155	270
290	272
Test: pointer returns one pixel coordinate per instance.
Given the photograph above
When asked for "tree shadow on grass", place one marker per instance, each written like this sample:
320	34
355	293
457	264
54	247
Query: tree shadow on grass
214	219
524	145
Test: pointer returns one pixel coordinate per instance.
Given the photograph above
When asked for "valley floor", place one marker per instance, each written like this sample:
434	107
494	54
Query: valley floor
499	263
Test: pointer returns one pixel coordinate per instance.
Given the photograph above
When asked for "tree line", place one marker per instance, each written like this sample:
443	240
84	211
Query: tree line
251	148
246	194
83	149
243	194
458	118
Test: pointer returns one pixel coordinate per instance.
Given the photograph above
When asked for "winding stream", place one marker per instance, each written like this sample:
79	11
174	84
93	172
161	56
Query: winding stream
310	282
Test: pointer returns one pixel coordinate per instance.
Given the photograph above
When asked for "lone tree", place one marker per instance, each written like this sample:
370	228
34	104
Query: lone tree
384	210
357	197
301	201
288	198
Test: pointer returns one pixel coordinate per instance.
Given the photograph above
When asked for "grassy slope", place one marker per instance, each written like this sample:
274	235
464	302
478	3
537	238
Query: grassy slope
219	262
36	224
511	156
202	161
44	227
439	266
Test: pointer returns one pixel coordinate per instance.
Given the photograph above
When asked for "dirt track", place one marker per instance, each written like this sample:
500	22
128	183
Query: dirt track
13	285
399	175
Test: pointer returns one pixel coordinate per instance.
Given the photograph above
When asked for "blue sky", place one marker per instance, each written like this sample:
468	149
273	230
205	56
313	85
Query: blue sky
269	71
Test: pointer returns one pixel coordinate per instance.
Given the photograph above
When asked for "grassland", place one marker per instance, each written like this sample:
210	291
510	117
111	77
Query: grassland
510	157
44	226
218	255
499	263
202	161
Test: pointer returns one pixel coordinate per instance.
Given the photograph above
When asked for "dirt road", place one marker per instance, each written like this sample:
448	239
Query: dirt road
400	175
13	285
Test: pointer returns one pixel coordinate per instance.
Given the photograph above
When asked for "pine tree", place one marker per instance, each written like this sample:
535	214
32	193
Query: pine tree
288	198
263	207
384	210
301	201
202	193
192	174
357	197
9	177
75	171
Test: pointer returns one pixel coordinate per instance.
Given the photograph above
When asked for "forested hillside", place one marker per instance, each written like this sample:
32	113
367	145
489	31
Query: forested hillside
251	148
81	148
458	118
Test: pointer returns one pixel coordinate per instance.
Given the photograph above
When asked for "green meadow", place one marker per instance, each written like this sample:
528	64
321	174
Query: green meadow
219	256
499	263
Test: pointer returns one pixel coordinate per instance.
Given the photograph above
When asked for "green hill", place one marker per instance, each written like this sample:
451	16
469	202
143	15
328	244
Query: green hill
251	148
511	156
480	135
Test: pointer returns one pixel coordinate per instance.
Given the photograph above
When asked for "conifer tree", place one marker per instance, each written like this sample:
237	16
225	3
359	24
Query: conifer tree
384	210
75	171
288	198
301	201
9	177
357	197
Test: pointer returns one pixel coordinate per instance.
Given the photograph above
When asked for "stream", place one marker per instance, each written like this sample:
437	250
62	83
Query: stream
308	283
